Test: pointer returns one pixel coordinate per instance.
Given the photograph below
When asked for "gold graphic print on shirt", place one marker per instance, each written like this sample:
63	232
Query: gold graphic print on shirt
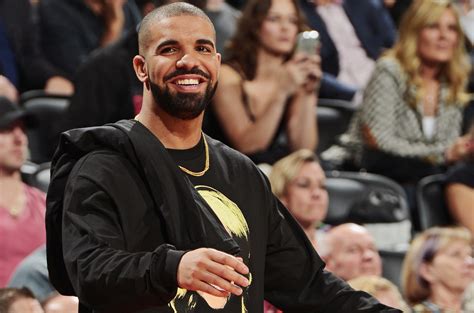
234	222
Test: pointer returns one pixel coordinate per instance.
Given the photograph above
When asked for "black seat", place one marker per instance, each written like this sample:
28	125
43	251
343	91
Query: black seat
432	208
333	118
48	111
364	198
392	262
42	176
27	171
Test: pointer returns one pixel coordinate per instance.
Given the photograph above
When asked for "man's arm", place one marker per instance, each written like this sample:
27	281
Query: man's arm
104	232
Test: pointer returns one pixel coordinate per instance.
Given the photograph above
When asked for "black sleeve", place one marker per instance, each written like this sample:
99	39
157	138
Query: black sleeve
61	36
295	279
382	25
105	273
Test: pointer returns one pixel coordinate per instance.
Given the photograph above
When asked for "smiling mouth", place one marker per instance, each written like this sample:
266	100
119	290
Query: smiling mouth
187	82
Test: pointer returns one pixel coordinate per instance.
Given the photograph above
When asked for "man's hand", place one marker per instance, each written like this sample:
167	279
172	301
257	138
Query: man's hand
7	89
213	272
59	85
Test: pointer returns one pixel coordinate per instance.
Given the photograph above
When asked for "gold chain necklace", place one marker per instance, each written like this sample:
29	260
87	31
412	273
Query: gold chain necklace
206	163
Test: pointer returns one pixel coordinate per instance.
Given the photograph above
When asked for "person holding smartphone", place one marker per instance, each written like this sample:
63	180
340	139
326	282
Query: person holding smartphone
266	100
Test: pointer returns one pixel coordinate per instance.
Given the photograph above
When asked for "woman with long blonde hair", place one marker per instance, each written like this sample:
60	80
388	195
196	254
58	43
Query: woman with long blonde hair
409	124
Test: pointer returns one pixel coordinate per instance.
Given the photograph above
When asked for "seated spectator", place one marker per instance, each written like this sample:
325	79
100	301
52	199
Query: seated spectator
382	289
353	34
349	252
299	182
22	208
266	98
22	65
72	29
460	189
437	269
13	300
409	124
32	273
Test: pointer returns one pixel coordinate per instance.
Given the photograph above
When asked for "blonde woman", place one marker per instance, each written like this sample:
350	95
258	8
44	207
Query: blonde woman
382	289
437	270
409	124
299	182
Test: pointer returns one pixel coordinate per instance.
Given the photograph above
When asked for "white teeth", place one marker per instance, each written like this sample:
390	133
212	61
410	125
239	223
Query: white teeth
191	81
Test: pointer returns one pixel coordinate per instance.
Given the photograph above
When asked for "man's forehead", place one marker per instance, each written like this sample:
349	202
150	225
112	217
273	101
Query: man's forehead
183	26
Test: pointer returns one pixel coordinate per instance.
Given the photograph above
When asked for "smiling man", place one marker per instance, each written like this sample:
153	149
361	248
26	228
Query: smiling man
159	217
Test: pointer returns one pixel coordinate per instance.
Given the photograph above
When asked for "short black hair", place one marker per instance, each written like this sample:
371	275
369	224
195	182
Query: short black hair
163	12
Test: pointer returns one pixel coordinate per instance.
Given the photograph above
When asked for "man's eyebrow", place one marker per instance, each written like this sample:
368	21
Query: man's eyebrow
205	42
170	42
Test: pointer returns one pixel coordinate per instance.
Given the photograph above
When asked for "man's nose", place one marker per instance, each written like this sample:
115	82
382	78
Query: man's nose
369	254
187	62
18	132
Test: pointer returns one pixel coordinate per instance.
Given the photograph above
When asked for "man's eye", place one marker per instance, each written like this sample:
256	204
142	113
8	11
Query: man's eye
167	50
203	49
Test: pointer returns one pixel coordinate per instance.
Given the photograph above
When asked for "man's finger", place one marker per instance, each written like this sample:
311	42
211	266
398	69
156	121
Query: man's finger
229	260
220	283
204	287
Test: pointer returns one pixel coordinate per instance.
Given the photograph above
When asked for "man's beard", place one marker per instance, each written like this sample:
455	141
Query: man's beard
185	106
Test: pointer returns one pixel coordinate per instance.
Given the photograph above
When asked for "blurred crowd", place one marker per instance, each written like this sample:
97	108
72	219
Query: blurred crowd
403	68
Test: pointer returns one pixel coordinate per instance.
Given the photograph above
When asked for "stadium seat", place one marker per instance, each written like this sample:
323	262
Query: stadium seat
364	198
48	110
333	118
432	209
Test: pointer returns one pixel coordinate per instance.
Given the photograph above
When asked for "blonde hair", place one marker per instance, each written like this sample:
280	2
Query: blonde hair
423	250
456	71
286	169
376	284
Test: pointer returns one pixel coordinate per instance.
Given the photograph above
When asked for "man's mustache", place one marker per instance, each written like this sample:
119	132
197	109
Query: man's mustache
193	71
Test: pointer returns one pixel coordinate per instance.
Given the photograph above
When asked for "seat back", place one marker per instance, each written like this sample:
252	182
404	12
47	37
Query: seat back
333	118
365	198
392	262
42	176
48	110
432	208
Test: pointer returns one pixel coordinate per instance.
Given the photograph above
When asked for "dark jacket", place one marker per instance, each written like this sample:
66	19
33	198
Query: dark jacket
373	27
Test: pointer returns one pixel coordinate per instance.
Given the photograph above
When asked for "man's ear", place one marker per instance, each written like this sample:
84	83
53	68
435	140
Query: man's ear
141	71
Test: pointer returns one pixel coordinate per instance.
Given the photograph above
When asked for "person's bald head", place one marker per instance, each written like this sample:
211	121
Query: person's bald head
164	12
349	251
